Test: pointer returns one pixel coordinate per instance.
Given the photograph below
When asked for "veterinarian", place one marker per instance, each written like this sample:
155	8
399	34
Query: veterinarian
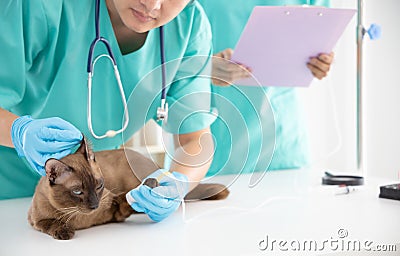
44	93
247	115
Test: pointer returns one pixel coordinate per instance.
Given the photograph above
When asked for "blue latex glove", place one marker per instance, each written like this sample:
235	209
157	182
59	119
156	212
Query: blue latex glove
159	202
41	139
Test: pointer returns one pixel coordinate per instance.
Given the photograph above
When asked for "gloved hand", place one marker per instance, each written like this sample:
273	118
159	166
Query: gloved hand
159	202
41	139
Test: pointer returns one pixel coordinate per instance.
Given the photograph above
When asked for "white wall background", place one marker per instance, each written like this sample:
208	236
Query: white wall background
382	68
334	141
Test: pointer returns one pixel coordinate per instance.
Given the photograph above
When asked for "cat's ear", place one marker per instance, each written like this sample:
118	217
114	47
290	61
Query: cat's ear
86	150
56	171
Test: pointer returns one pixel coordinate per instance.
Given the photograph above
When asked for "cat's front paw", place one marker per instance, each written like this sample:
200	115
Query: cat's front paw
63	233
123	209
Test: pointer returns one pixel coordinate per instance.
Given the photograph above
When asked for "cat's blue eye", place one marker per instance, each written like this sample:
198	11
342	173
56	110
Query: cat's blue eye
77	192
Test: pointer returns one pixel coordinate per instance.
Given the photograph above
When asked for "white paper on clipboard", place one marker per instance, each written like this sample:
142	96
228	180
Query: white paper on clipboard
278	41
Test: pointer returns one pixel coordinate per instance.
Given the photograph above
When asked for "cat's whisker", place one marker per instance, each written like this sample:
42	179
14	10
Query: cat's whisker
106	201
67	214
112	189
103	200
65	209
61	217
71	207
85	211
106	194
72	215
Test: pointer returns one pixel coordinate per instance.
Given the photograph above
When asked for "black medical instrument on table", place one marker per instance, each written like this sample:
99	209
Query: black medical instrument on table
347	180
162	111
390	191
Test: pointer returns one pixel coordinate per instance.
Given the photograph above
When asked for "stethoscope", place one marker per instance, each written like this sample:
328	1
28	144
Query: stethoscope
162	111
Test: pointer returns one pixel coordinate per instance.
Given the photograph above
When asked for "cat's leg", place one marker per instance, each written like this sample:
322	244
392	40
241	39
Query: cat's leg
56	228
124	210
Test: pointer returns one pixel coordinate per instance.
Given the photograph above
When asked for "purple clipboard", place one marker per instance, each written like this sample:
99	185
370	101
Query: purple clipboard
278	41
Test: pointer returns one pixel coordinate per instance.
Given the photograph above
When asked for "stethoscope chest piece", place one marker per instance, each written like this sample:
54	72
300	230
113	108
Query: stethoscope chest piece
162	111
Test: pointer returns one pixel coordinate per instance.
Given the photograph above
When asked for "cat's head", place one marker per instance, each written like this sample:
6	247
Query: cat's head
75	180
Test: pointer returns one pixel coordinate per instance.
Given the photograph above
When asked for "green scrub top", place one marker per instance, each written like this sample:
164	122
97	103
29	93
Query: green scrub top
43	73
255	124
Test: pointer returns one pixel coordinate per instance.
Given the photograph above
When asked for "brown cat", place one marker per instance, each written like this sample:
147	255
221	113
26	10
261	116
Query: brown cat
81	190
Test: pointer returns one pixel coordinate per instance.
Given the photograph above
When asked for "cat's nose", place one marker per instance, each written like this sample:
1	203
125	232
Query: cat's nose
92	201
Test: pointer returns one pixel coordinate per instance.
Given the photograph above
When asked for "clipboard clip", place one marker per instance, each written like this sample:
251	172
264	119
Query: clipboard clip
287	12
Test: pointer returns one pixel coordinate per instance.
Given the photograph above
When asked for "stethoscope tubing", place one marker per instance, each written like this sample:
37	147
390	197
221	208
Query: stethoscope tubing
162	111
109	133
163	68
98	39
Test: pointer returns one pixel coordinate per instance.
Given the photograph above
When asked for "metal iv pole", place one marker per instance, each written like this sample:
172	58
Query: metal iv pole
374	32
360	37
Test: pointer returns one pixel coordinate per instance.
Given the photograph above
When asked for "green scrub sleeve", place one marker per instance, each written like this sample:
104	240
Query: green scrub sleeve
23	36
189	96
17	179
